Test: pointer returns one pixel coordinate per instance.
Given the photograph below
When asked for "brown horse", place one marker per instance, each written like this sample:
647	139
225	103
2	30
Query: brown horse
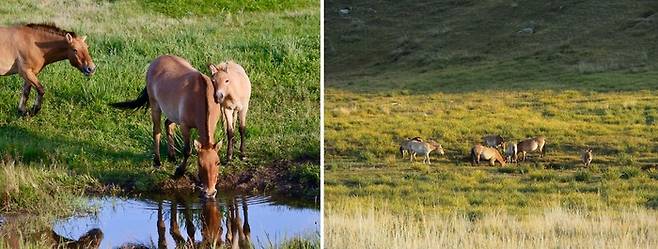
232	92
481	152
27	49
493	141
185	96
530	145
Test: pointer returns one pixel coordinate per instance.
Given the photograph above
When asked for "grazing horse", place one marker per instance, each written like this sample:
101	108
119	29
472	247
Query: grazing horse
493	140
185	96
481	152
530	145
27	49
511	152
423	148
404	145
232	92
586	156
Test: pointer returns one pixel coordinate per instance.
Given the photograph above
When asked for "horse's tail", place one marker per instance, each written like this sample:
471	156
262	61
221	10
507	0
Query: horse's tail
401	152
140	102
473	155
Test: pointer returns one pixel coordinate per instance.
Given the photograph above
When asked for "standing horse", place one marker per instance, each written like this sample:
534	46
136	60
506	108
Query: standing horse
423	148
27	49
530	145
511	153
586	156
404	145
493	140
232	92
185	96
481	152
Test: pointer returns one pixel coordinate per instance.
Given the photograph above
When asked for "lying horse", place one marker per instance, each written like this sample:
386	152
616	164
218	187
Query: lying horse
185	96
232	92
530	145
586	156
27	49
493	140
423	148
404	145
511	153
481	152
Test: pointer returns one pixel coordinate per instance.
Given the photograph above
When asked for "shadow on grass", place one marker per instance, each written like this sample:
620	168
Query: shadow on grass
28	146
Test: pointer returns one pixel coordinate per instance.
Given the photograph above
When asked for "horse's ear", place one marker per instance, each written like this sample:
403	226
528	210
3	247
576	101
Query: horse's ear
69	38
83	38
217	146
224	67
197	145
213	69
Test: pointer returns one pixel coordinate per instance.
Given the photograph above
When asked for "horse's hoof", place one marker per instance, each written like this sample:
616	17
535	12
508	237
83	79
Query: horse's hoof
171	159
23	113
35	110
242	158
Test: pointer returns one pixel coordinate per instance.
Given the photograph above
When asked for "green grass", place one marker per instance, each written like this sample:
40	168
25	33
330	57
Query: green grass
278	47
94	146
453	71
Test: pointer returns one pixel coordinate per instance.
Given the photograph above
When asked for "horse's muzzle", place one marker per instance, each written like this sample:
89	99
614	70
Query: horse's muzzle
88	70
206	195
219	97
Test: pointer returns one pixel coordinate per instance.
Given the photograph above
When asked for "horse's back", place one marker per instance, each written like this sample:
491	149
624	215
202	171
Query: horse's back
418	147
168	66
488	153
176	87
528	145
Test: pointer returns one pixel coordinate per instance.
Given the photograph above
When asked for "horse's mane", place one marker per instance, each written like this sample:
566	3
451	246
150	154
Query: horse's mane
50	28
208	88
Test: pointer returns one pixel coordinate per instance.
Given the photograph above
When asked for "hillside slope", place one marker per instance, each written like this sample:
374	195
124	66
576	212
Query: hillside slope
457	44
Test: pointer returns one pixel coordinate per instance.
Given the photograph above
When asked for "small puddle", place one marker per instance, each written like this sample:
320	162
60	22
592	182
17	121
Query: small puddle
184	221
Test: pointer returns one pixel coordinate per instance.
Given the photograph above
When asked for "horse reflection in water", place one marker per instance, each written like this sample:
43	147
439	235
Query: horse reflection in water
238	233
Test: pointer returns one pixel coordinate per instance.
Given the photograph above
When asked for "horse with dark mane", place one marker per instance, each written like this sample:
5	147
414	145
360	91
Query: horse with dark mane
27	49
185	96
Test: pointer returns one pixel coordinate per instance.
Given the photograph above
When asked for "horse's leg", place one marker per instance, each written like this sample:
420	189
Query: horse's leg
228	117
171	151
157	130
187	150
242	117
428	158
25	95
31	77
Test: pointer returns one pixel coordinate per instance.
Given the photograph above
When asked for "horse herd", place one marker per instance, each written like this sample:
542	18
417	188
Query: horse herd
174	88
488	150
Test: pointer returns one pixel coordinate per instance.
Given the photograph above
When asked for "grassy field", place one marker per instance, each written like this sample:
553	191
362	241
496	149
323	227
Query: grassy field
78	142
452	71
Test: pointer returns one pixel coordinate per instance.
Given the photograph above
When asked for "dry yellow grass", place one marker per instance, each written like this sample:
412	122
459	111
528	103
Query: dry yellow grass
375	227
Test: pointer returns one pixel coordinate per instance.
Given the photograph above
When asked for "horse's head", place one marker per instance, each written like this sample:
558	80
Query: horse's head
440	150
437	147
220	81
211	224
78	54
208	167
